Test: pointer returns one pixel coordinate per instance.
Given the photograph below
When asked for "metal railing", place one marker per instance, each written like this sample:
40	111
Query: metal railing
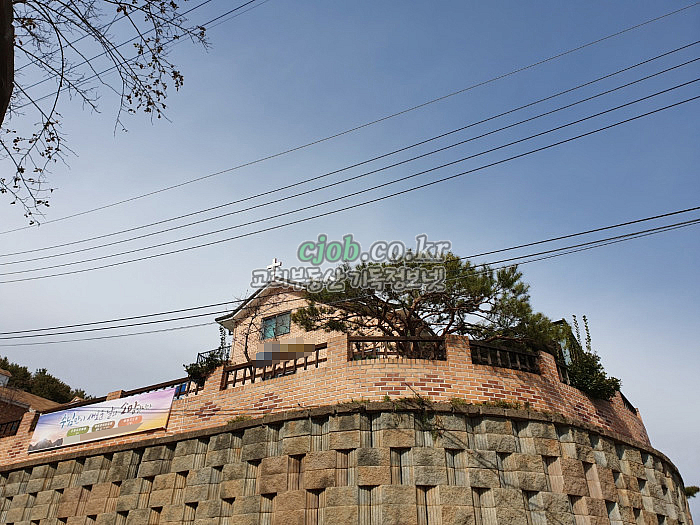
9	428
515	359
430	348
245	373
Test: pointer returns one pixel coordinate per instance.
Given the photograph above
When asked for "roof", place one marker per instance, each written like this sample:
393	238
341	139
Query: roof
5	373
20	397
229	320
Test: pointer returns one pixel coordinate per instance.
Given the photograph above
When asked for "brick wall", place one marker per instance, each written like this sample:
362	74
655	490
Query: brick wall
402	463
338	380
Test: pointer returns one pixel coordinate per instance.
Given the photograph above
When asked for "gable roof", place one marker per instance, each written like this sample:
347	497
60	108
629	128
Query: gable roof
15	396
229	320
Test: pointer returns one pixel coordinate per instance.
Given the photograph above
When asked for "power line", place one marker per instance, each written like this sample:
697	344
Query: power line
367	124
533	257
378	199
239	301
327	174
110	336
352	194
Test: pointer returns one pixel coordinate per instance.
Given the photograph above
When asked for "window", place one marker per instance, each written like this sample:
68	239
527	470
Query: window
276	326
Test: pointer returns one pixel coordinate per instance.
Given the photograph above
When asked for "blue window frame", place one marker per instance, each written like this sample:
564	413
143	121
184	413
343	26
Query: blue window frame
276	325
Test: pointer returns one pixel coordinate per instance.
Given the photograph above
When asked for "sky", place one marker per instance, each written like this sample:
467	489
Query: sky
284	74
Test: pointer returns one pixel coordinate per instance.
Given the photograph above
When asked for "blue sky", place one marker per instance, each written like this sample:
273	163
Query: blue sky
288	73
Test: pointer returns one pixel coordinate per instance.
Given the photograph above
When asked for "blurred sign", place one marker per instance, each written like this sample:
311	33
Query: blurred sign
103	420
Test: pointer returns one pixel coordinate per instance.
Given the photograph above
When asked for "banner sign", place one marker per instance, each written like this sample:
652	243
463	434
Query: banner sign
103	420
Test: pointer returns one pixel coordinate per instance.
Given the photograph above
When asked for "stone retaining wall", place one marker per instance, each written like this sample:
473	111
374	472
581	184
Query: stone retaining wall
400	463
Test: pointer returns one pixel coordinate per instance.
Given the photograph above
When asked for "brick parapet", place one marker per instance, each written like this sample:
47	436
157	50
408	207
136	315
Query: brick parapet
338	380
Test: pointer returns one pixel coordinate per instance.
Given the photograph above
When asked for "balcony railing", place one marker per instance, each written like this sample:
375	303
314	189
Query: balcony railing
431	348
245	373
515	359
9	428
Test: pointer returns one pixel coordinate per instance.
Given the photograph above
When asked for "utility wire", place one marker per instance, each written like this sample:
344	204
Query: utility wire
240	301
327	174
378	199
533	257
367	124
355	193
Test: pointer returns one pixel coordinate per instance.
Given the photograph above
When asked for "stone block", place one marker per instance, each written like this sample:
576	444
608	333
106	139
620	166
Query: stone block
596	507
546	447
293	517
89	477
126	502
497	442
15	515
217	457
398	495
19	501
107	518
220	441
246	505
483	478
186	447
430	475
342	496
320	460
39	512
571	468
138	517
454	439
164	481
196	493
346	514
231	488
274	465
373	475
200	476
129	486
234	471
558	503
344	422
254	435
575	486
372	457
272	483
399	437
532	481
254	451
346	439
161	498
209	509
523	462
319	479
155	453
296	428
292	500
296	445
36	485
45	497
182	463
457	515
63	467
481	459
152	468
511	516
399	514
511	498
495	425
428	456
58	482
453	495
